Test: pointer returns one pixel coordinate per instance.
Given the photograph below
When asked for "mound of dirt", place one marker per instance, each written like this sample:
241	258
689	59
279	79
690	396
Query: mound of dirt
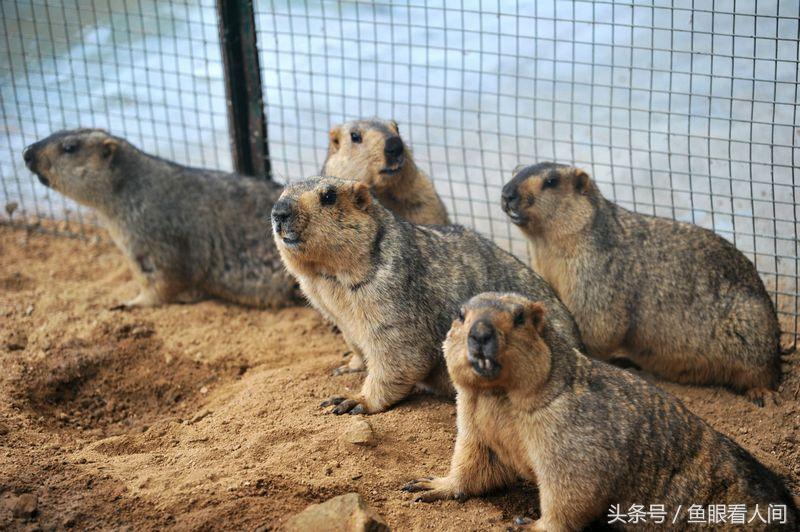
207	415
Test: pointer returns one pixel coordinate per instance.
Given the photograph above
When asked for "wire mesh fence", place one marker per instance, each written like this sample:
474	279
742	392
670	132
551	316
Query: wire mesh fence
146	70
683	109
678	108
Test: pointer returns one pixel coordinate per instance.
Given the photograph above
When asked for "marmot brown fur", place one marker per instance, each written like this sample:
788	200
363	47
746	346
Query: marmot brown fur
392	287
679	300
187	233
373	152
590	435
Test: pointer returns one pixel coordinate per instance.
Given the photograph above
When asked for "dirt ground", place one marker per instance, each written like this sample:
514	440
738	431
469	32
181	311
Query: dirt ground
207	415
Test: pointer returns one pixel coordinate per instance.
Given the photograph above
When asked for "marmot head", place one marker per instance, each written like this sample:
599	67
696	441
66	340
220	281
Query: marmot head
325	225
548	197
370	151
76	163
496	342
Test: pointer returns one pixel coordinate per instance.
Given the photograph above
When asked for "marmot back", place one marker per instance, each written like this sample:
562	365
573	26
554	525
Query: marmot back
372	151
679	300
391	287
187	233
591	436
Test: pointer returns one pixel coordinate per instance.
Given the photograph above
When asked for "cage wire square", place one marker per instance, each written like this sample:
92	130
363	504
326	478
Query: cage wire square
682	109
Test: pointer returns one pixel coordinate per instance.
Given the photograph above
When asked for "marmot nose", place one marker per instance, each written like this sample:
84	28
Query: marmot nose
29	156
509	195
482	336
393	147
281	212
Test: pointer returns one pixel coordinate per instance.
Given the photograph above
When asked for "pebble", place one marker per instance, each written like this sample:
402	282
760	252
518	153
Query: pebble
359	432
345	512
25	505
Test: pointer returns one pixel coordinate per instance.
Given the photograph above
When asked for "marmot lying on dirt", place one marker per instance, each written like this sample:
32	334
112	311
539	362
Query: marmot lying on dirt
679	300
373	152
590	435
186	232
392	287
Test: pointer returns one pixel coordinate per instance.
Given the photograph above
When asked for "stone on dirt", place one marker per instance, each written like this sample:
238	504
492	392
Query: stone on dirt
25	505
345	513
359	432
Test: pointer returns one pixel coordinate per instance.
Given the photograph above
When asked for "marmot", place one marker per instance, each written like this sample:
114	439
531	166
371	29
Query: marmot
590	435
187	233
392	287
373	152
679	300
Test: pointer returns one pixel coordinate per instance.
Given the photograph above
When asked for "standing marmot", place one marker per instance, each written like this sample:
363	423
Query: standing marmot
186	232
679	300
392	287
372	151
589	434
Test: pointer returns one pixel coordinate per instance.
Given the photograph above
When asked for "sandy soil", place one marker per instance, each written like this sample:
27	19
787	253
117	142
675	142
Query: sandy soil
193	416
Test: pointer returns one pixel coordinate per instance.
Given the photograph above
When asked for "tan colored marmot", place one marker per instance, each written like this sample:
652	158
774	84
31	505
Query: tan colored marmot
591	436
187	233
373	152
679	300
392	287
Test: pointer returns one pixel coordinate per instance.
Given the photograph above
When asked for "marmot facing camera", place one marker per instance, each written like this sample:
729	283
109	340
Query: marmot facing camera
679	300
392	287
372	151
590	435
187	233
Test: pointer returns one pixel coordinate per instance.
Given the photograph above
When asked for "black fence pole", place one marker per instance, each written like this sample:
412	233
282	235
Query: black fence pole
248	127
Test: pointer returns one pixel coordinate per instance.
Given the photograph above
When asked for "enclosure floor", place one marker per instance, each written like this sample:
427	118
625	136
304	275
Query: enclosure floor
193	416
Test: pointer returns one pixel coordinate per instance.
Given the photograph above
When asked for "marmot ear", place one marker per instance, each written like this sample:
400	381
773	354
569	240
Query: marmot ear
537	312
518	169
109	148
362	197
395	126
582	181
333	135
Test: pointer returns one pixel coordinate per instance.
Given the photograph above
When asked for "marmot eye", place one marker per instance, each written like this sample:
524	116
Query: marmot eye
461	315
69	147
328	197
519	318
355	136
550	182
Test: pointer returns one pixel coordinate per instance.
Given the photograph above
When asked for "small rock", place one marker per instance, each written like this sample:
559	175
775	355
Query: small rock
204	390
25	505
345	513
29	310
359	432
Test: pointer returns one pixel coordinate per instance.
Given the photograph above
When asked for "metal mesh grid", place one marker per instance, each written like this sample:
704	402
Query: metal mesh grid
145	70
683	109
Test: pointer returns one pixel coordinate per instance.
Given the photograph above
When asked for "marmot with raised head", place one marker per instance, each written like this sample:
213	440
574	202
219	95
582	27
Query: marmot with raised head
392	287
373	152
677	299
187	233
591	436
